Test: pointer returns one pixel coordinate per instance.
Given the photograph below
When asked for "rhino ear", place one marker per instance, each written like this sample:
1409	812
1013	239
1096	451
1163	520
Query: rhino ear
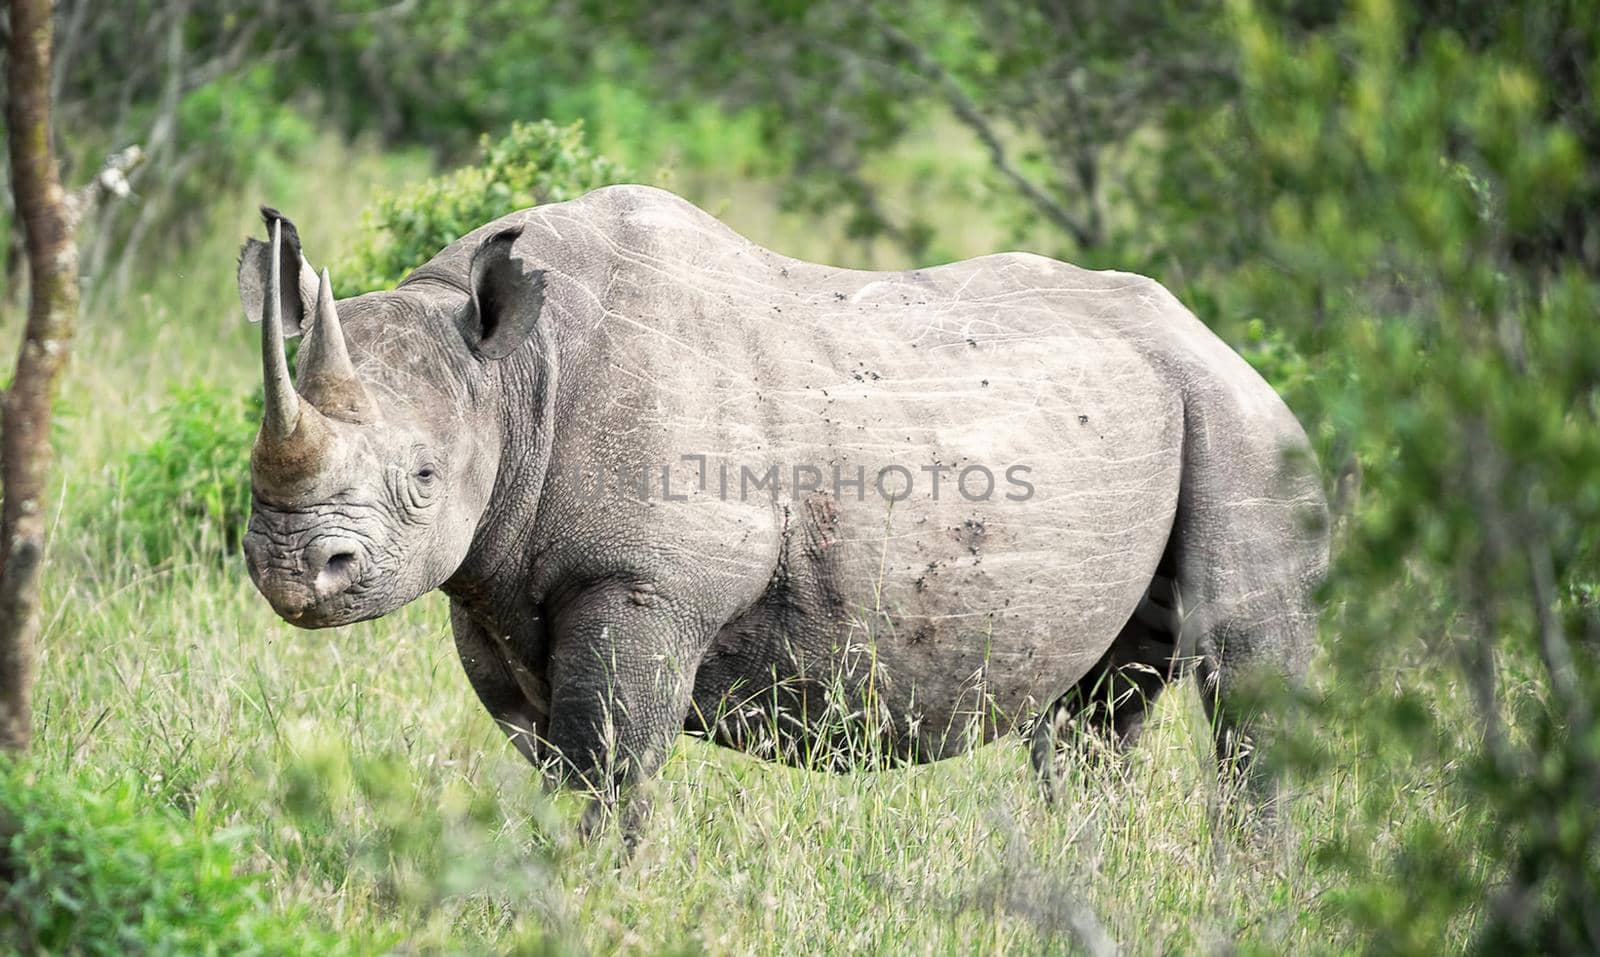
506	298
298	297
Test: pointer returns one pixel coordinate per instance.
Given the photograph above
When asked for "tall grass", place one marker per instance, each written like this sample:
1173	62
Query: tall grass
380	800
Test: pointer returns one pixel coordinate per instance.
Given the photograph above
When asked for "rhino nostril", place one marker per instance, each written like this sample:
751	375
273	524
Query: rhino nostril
333	567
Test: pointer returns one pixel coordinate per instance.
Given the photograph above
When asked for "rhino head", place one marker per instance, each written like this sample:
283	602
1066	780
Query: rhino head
370	475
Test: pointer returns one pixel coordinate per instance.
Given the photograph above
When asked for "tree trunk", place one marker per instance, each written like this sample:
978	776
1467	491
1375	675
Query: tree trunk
45	212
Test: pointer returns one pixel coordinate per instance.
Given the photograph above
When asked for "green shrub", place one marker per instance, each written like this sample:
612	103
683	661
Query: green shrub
85	870
533	164
1398	197
245	130
186	493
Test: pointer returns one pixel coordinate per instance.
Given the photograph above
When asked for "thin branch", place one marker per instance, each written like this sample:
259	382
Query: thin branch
111	181
67	47
1554	649
972	117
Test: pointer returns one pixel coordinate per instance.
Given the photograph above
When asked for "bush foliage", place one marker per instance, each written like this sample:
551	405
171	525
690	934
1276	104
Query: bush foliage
1396	198
533	164
86	869
186	493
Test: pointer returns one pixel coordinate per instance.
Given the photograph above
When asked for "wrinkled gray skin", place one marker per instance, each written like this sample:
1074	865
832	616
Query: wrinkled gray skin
1175	515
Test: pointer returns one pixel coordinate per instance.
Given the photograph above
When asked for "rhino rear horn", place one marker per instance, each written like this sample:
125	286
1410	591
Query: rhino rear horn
328	378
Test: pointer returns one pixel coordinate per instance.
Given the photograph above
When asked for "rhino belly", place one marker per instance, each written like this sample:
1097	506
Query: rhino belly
914	632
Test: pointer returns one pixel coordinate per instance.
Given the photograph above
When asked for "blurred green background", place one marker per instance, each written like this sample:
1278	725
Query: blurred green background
1389	208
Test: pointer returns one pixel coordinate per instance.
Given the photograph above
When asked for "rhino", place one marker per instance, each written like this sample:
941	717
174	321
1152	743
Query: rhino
674	482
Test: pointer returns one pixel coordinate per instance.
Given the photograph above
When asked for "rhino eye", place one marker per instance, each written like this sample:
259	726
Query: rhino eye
422	489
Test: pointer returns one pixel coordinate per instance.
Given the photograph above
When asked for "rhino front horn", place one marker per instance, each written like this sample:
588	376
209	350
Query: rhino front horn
328	379
282	404
294	439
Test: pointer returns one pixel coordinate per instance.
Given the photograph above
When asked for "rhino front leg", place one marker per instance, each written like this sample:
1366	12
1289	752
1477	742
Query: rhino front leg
516	697
622	675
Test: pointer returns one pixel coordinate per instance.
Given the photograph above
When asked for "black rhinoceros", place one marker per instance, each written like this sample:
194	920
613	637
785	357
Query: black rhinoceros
672	481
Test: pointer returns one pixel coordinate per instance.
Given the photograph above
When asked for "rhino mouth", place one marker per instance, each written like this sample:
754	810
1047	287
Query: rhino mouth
346	608
326	583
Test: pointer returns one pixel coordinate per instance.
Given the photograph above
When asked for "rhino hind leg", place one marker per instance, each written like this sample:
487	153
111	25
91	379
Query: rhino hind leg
1251	542
1107	708
1236	665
